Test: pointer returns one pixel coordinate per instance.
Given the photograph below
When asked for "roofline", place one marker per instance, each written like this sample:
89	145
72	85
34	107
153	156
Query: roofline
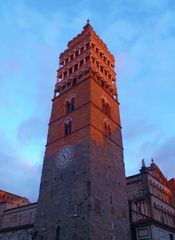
14	194
7	210
135	175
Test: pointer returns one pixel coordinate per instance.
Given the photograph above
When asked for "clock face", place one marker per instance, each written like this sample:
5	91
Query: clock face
64	156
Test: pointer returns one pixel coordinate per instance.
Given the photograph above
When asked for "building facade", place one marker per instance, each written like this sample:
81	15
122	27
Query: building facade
17	223
17	216
151	199
152	204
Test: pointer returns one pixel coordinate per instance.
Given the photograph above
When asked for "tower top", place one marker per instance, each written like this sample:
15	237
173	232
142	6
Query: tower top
88	25
87	53
87	34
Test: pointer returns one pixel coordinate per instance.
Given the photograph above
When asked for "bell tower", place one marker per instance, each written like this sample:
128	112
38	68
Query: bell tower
82	191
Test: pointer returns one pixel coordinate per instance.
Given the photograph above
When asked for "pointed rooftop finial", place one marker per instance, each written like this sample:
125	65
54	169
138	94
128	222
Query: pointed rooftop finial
88	25
143	168
153	165
143	163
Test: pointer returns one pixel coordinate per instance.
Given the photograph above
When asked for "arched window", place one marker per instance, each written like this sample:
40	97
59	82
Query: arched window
70	105
67	127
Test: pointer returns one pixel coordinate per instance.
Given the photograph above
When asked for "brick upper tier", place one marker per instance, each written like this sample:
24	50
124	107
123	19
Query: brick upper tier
86	55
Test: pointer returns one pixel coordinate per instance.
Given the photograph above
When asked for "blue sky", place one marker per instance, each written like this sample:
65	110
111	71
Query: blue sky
141	35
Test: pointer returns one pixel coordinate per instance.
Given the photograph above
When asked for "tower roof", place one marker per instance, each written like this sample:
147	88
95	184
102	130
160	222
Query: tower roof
88	32
88	24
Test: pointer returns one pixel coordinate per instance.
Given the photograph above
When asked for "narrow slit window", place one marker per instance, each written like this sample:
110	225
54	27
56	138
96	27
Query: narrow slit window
82	49
87	45
58	233
71	57
87	58
76	67
76	53
74	81
81	62
68	128
70	70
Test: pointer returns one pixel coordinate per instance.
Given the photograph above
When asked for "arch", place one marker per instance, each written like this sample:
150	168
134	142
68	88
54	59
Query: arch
70	104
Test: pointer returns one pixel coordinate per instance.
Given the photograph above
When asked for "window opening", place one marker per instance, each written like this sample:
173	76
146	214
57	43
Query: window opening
65	74
71	57
102	83
82	49
74	81
70	105
87	58
76	53
87	71
70	70
69	83
63	87
171	236
80	76
76	67
58	233
67	128
81	62
93	59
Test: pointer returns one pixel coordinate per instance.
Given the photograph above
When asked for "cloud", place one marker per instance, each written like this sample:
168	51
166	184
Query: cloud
31	129
165	157
160	148
140	128
17	174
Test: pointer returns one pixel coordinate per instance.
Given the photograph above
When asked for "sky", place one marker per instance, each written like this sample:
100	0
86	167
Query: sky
140	34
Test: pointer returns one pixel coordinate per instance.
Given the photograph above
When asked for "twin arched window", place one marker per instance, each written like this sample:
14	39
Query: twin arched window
70	105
